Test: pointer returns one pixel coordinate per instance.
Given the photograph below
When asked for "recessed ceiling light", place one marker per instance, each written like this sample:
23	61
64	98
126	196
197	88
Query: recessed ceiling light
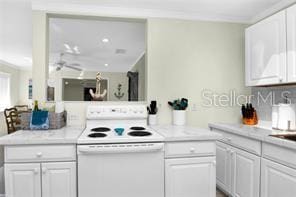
105	40
106	64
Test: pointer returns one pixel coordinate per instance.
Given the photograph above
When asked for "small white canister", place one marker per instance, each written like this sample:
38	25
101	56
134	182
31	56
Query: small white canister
152	119
179	117
287	117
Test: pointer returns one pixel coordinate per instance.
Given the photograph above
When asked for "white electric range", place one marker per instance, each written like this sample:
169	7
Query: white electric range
112	164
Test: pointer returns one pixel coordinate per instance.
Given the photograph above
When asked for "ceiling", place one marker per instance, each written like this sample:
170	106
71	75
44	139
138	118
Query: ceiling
16	21
16	32
81	40
221	10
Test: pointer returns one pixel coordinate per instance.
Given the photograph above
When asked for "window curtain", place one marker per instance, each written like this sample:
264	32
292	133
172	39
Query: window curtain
4	91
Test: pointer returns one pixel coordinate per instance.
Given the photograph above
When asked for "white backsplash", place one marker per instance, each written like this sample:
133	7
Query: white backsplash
264	97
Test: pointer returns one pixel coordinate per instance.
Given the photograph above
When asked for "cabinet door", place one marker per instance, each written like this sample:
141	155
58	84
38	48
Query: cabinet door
22	180
59	179
266	51
245	174
277	180
291	43
190	177
223	166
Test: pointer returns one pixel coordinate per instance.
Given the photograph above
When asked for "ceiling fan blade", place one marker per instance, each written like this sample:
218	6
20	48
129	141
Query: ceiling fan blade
72	67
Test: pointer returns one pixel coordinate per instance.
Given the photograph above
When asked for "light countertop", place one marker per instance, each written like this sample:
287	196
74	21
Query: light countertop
65	135
185	133
256	133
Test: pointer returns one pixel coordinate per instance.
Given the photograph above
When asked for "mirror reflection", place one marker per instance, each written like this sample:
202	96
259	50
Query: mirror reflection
96	60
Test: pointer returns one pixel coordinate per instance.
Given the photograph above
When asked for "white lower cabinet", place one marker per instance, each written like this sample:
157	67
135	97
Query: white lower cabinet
190	177
277	180
40	179
245	174
40	171
238	171
23	180
223	166
58	179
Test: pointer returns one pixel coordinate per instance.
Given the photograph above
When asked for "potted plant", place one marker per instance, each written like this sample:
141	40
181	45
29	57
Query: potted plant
179	111
152	113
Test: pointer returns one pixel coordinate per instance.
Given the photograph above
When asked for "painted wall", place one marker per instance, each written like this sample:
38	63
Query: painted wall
187	57
14	81
184	58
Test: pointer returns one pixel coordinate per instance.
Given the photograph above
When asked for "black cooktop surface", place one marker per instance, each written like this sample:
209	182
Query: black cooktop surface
137	128
101	129
139	133
96	135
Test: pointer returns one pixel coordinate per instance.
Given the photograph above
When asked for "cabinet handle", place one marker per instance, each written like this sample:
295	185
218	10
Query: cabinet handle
36	170
39	154
44	170
192	150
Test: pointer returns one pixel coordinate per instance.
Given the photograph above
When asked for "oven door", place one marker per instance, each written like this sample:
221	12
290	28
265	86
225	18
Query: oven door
121	170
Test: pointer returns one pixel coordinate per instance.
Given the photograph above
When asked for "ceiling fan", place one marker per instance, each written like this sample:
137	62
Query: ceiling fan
62	63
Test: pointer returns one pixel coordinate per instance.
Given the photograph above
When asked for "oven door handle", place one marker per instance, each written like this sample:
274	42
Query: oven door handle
117	149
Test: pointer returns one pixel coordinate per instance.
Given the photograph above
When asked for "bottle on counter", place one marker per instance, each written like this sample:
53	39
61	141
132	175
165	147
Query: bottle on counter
36	108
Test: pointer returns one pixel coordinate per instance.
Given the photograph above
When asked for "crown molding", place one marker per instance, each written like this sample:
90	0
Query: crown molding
272	10
25	68
94	10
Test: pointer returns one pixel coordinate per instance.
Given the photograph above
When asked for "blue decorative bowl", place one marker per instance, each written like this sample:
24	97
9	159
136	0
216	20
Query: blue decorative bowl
119	131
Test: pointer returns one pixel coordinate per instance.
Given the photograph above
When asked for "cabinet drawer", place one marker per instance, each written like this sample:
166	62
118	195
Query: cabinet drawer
179	149
250	145
279	154
40	153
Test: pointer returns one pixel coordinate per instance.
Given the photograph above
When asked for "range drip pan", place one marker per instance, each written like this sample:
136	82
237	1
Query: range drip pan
137	128
96	135
101	129
139	133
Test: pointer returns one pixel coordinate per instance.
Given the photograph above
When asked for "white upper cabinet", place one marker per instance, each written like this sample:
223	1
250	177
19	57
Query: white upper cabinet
291	43
266	51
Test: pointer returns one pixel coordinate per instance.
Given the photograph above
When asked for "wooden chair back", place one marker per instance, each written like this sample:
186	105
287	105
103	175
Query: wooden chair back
11	117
